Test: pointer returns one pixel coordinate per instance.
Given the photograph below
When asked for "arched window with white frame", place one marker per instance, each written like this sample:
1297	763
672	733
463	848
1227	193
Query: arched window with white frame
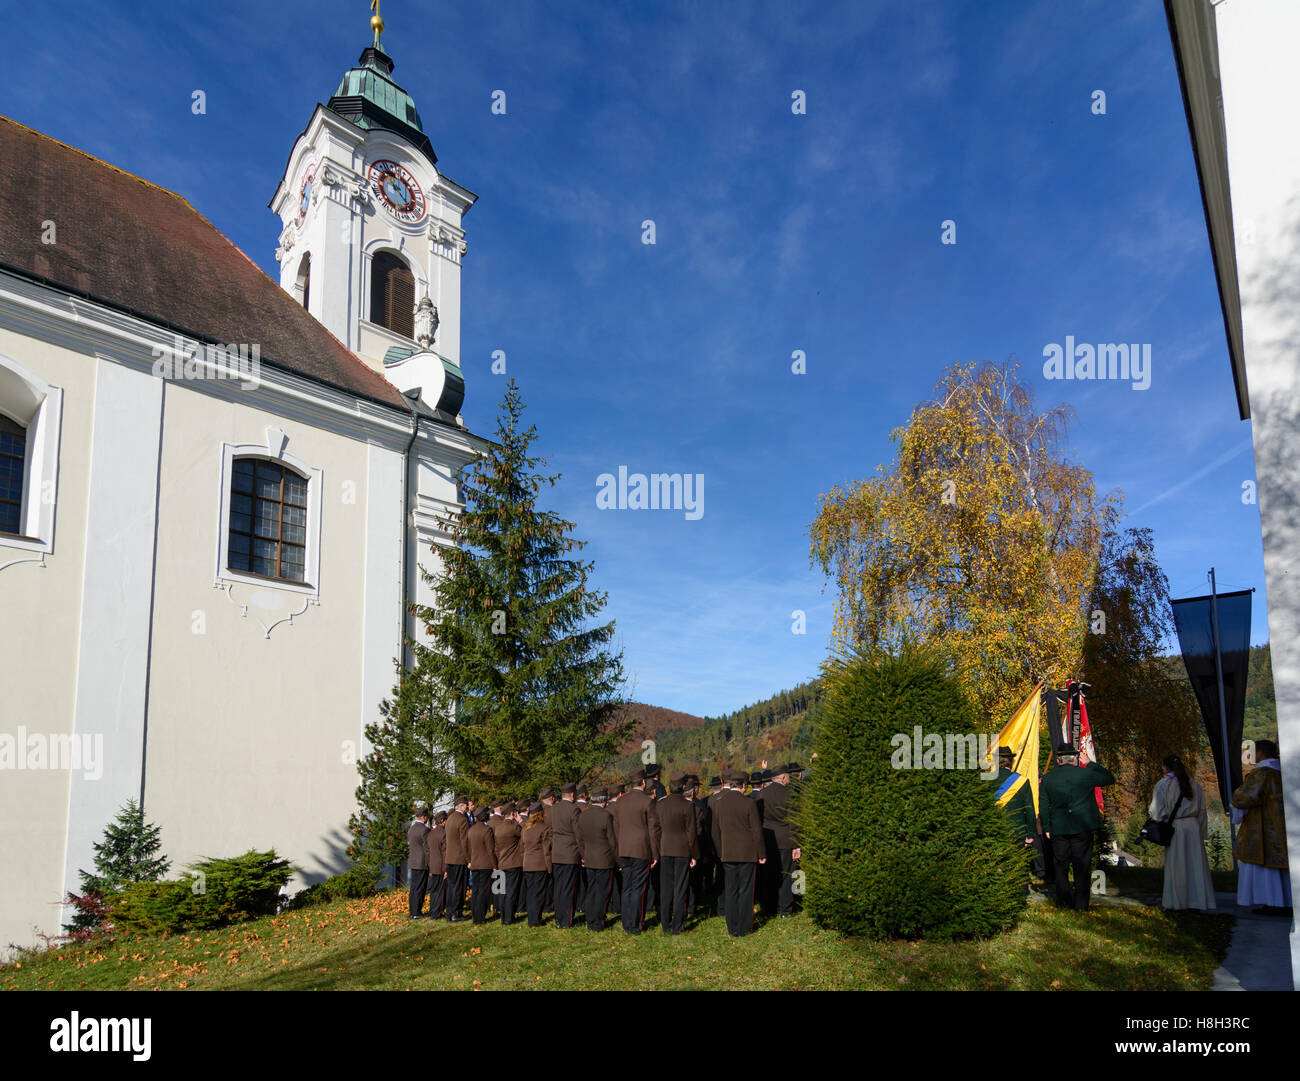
30	417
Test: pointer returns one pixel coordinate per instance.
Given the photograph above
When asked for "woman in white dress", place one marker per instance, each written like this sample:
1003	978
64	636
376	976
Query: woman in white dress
1187	870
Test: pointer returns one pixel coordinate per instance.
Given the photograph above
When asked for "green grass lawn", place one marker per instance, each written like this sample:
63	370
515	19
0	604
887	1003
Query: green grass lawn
371	944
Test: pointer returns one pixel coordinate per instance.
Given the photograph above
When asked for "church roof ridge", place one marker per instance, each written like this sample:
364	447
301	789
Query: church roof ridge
139	247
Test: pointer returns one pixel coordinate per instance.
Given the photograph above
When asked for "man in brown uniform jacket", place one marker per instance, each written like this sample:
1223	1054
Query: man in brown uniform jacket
637	826
616	888
738	837
417	861
457	828
679	848
536	844
482	862
510	861
435	845
566	856
598	841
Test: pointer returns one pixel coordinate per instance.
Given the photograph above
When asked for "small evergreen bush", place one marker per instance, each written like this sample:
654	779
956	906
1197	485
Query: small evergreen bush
128	853
355	883
894	852
214	893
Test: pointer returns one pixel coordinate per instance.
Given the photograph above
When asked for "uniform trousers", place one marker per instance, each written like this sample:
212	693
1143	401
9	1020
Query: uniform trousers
616	891
437	894
535	889
636	873
739	897
674	882
507	901
1073	850
457	873
419	877
566	892
767	877
480	885
652	889
600	882
785	894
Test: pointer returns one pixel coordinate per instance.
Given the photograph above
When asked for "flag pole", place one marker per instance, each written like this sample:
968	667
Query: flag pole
1223	713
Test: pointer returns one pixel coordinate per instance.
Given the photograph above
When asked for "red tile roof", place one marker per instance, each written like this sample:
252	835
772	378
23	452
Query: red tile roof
140	247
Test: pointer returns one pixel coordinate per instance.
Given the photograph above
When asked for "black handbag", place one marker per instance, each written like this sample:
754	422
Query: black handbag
1161	831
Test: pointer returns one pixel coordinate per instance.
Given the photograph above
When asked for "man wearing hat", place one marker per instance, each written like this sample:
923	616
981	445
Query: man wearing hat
417	860
616	890
679	851
435	847
1070	814
599	843
717	889
1012	793
546	797
657	793
566	856
738	837
510	860
637	826
457	827
700	897
482	862
583	802
780	840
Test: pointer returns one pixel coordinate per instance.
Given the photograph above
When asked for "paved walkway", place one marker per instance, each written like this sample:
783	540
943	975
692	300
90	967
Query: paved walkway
1259	957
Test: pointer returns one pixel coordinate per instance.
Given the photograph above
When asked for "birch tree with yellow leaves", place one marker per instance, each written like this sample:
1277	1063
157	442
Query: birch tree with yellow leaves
981	539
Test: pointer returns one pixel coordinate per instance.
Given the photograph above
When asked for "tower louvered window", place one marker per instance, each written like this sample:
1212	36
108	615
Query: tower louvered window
392	295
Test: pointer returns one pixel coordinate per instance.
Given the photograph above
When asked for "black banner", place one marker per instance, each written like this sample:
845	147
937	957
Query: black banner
1196	638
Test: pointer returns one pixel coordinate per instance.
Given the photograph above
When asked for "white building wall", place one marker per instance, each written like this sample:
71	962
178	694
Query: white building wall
40	606
245	725
1260	80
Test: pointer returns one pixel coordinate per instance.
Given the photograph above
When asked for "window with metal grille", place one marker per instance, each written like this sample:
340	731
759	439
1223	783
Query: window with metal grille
13	451
268	520
392	295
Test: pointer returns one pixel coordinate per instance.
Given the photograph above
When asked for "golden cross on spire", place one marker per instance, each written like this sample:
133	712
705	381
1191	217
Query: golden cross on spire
376	21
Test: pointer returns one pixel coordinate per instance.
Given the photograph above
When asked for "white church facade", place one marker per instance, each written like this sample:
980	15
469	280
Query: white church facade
215	491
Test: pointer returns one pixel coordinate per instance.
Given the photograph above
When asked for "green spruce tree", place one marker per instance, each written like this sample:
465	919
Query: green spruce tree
515	686
893	848
128	853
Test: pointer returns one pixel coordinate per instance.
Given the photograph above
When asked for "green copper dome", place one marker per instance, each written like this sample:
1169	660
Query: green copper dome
369	98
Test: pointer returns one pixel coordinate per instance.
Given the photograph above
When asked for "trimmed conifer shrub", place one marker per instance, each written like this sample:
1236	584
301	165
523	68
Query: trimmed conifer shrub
902	852
214	893
353	884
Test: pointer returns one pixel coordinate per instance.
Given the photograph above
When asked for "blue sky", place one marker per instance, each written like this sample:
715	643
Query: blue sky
775	232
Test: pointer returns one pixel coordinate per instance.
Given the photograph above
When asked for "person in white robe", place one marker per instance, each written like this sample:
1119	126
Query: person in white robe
1187	869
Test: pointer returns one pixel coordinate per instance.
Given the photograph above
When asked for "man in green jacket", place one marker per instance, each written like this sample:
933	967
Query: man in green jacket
1068	809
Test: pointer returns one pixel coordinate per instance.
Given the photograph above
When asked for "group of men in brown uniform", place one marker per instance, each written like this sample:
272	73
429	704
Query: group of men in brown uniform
613	849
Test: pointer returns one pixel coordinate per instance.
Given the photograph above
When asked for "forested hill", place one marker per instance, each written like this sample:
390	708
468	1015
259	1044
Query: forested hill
779	727
649	722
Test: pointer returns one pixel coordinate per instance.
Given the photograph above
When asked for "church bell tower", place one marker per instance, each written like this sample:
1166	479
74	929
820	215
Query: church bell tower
371	239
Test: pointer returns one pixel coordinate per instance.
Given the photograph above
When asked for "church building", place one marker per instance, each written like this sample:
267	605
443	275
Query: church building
215	491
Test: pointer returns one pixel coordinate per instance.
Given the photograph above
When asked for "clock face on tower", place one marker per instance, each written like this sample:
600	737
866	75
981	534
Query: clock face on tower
304	194
397	190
